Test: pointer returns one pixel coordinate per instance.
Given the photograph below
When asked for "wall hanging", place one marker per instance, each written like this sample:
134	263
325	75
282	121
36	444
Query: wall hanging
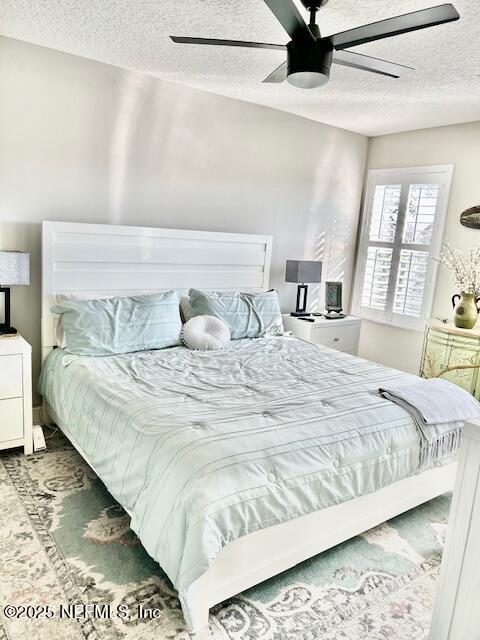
471	217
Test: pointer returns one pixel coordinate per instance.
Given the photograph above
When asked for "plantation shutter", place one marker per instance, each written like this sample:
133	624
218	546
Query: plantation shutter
401	233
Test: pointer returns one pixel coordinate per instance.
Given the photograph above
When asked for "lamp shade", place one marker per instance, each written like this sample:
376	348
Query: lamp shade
303	271
14	268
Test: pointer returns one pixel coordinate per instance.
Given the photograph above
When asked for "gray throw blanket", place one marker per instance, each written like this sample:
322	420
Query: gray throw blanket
439	409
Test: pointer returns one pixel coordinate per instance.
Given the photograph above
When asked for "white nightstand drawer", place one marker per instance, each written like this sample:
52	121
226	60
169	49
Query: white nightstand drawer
341	338
11	419
11	376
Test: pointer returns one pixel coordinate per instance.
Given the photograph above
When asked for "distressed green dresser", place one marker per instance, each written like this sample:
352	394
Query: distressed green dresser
453	354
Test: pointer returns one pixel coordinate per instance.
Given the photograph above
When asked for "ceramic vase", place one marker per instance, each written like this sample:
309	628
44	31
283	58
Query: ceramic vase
465	310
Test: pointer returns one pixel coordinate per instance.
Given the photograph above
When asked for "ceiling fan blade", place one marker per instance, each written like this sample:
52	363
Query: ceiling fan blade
367	63
279	75
290	18
228	43
395	26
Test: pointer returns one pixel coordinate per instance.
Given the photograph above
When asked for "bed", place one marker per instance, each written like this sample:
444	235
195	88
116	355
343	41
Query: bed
233	465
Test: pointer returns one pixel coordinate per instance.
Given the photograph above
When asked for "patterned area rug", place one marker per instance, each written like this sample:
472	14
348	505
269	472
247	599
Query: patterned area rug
67	550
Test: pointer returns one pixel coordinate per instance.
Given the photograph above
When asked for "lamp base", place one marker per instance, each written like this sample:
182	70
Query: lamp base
301	306
7	331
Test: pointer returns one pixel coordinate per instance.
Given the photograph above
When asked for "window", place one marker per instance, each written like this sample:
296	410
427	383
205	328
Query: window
402	227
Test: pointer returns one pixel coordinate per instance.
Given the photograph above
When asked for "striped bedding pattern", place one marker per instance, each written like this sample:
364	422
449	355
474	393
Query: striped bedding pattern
204	447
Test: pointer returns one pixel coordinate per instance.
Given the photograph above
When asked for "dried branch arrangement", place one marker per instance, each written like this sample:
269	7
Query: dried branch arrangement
464	266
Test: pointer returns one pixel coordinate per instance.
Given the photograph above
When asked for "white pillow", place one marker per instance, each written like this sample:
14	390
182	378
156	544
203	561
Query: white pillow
205	333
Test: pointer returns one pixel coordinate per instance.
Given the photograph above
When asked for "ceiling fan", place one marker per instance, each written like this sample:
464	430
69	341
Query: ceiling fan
310	56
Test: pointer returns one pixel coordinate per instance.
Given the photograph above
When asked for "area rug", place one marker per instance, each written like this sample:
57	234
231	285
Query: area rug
71	568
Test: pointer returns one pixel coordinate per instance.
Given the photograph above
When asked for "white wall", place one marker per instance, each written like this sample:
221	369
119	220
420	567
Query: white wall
84	141
460	145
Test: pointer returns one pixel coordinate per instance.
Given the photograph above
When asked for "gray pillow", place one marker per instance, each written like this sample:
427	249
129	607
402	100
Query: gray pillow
248	315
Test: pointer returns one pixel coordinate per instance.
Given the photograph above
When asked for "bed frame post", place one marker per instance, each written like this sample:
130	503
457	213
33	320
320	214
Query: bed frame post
196	611
455	613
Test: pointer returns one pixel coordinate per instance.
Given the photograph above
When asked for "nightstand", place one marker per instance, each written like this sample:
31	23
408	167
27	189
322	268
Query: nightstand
15	393
341	334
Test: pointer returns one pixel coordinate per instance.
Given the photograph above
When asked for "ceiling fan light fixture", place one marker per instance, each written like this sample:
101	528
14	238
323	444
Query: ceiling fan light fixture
307	79
309	65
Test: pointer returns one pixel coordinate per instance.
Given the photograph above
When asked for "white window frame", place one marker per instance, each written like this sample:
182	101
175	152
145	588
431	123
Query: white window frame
437	174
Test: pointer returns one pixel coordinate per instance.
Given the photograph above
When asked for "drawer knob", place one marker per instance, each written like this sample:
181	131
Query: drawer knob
336	339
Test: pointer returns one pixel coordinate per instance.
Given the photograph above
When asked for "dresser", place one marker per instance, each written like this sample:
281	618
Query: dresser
453	354
341	334
15	393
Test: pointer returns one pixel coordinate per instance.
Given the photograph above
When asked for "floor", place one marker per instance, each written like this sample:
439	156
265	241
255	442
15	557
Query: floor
67	549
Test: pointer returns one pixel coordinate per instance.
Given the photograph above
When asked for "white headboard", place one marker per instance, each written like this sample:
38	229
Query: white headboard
113	259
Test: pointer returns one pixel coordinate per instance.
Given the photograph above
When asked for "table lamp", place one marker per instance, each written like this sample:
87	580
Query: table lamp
302	272
14	270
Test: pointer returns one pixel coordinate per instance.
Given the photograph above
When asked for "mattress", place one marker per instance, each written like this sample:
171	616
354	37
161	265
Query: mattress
204	447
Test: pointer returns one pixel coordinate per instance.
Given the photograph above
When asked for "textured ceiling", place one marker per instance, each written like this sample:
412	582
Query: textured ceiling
444	88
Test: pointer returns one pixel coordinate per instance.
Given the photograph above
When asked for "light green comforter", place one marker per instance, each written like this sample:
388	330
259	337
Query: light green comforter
204	447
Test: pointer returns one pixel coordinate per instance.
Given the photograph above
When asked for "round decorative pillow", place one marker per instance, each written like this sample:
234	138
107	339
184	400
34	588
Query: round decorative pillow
205	333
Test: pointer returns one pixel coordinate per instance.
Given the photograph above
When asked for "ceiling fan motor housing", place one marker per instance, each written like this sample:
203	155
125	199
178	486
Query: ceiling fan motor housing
308	64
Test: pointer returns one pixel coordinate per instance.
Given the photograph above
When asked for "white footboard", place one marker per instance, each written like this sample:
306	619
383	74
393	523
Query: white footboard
261	555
